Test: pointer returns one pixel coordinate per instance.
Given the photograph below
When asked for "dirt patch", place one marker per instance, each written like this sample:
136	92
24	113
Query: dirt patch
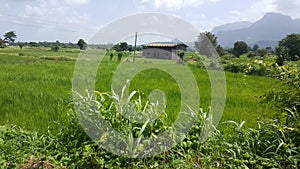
36	163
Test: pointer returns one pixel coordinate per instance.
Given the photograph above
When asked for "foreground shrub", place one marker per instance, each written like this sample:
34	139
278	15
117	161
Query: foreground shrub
274	144
268	146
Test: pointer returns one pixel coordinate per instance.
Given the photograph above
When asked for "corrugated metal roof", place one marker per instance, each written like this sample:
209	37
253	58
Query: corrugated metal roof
163	44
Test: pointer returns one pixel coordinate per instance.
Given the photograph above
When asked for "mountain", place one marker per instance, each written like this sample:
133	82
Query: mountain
267	31
297	23
232	26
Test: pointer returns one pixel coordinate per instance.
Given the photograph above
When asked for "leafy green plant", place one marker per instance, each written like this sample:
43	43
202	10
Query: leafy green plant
120	55
55	48
111	55
134	119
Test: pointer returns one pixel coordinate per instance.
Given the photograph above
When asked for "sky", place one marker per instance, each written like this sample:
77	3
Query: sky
70	20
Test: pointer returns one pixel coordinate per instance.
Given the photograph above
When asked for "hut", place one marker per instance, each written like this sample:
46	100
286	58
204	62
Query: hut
163	50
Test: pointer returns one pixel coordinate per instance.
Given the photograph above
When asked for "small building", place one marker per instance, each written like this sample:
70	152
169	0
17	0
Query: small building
163	50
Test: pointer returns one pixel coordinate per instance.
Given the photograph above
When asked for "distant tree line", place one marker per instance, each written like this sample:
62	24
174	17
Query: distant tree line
288	48
47	44
123	46
121	49
9	38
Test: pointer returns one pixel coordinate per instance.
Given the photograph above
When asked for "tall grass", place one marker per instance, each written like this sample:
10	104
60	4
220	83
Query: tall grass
36	92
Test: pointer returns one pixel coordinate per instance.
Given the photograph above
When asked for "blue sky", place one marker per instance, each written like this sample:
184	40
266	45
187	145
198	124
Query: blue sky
69	20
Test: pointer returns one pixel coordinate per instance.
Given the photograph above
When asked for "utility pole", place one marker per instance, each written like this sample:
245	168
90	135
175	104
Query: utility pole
134	47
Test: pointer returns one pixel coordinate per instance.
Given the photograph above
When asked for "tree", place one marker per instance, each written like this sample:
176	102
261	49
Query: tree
212	38
138	48
269	48
111	55
130	48
255	47
123	46
220	50
181	54
2	43
240	47
55	48
82	44
291	44
10	37
33	44
120	55
207	44
262	52
119	47
282	54
21	45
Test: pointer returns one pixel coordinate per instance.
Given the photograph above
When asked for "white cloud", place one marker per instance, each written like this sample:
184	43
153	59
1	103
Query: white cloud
57	19
234	12
56	12
171	4
254	12
288	7
258	9
76	2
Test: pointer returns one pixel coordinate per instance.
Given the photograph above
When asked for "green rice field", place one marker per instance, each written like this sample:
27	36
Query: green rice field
36	88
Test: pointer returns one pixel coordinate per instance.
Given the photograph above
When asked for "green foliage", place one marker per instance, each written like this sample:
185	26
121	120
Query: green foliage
240	47
255	47
130	48
286	96
10	37
205	62
71	147
266	147
82	44
259	52
212	38
33	44
291	45
269	146
220	50
44	79
57	58
55	48
261	66
21	45
123	46
120	55
44	85
207	44
181	54
2	43
111	55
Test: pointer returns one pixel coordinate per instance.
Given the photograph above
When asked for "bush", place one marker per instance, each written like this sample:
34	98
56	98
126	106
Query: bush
235	68
266	147
54	48
21	54
111	55
120	55
58	58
